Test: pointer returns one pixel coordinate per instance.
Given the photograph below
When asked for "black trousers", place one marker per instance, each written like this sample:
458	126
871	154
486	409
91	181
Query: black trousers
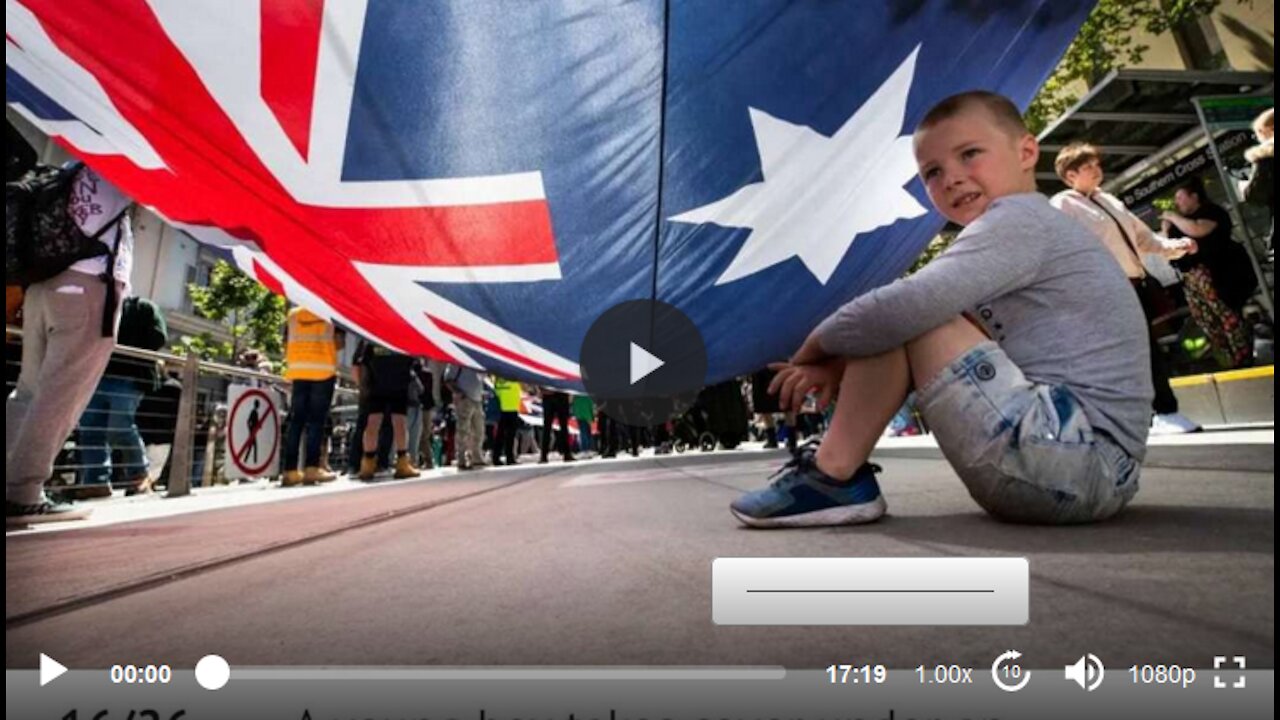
615	436
1166	402
504	444
555	407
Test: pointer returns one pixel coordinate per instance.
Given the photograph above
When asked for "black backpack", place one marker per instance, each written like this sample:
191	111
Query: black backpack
142	325
42	238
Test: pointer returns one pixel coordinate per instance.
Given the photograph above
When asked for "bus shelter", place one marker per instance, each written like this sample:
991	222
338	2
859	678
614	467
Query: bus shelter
1158	128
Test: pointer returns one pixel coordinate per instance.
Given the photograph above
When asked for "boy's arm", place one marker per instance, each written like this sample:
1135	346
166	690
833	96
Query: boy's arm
998	254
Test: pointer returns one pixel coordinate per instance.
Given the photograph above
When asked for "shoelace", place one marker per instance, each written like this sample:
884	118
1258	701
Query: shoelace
810	447
797	461
807	457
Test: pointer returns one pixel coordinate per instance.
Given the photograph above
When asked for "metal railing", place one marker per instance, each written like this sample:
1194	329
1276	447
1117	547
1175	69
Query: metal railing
179	423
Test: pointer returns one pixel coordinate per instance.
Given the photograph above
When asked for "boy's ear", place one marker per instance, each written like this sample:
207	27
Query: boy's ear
1029	151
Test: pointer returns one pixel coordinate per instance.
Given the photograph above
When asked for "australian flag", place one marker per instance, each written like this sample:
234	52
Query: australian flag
478	180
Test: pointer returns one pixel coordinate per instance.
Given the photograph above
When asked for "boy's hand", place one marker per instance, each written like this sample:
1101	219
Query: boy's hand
794	381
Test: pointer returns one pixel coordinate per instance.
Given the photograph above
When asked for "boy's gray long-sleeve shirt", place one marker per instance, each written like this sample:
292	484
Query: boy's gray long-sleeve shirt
1045	289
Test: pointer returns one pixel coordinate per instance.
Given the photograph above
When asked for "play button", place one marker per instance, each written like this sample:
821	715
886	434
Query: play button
50	669
643	362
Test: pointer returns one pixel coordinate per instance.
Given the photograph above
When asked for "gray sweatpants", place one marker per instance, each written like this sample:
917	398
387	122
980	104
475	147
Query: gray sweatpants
63	357
470	438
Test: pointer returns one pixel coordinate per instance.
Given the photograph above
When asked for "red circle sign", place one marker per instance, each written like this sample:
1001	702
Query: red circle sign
233	452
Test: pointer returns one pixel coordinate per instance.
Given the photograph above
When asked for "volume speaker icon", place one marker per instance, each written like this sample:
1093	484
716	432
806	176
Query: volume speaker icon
1088	672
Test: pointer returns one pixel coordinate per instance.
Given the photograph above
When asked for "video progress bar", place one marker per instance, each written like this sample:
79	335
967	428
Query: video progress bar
513	673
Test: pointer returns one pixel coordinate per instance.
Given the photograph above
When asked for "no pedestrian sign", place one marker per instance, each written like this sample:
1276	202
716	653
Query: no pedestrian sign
253	432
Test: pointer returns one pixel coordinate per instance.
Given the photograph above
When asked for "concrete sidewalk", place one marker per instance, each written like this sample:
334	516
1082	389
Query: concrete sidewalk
1251	451
609	563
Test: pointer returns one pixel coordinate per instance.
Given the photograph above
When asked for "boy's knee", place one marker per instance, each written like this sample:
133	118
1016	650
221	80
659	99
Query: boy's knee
934	350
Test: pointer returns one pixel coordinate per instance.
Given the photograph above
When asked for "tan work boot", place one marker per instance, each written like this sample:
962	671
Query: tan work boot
141	485
405	469
316	475
292	478
368	466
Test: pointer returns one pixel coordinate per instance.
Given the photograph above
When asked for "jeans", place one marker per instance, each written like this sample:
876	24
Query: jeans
1025	451
307	411
413	427
110	423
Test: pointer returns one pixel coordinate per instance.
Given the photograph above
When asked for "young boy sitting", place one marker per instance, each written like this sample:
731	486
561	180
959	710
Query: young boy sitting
1024	341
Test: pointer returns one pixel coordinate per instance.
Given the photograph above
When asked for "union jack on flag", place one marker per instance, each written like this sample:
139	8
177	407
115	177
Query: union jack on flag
478	180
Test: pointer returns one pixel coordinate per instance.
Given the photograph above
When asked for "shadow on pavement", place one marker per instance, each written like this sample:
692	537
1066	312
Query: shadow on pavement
1139	529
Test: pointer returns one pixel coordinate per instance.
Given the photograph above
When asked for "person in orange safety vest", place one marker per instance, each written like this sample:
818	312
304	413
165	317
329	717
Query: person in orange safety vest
311	352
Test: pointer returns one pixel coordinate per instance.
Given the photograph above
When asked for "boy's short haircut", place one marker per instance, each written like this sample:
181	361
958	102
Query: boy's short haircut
998	106
1073	157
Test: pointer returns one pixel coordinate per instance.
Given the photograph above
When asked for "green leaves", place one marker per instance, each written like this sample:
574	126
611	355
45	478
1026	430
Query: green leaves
254	315
1108	40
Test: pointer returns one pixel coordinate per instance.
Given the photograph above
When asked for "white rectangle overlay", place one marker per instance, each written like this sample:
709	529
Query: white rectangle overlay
870	591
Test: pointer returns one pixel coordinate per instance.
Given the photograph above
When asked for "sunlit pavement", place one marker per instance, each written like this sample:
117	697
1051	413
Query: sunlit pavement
609	562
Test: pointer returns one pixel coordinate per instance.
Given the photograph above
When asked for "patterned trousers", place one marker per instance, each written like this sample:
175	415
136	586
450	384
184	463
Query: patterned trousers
1224	327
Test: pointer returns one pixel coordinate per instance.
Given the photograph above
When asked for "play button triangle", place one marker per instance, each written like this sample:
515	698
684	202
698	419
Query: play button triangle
50	669
643	363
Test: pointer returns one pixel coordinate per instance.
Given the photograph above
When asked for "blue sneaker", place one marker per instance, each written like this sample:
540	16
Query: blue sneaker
801	495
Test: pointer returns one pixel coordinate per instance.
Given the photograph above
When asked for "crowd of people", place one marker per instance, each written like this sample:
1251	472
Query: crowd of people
1025	317
458	416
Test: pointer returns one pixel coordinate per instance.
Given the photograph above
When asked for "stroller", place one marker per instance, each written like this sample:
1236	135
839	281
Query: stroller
691	430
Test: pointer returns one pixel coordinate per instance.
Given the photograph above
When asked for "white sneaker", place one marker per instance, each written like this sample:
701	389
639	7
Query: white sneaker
1173	424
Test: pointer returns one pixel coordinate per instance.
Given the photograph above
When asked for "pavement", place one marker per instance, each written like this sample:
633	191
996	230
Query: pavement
609	563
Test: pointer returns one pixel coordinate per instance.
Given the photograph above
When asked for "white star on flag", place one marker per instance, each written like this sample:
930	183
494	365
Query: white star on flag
820	193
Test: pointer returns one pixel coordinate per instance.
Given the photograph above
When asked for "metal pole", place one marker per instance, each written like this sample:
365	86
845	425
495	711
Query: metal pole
184	436
1229	187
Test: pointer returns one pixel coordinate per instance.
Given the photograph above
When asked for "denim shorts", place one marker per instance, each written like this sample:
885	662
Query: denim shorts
1026	451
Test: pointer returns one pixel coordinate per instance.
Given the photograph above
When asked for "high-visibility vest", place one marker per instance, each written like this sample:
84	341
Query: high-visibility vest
310	351
508	393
